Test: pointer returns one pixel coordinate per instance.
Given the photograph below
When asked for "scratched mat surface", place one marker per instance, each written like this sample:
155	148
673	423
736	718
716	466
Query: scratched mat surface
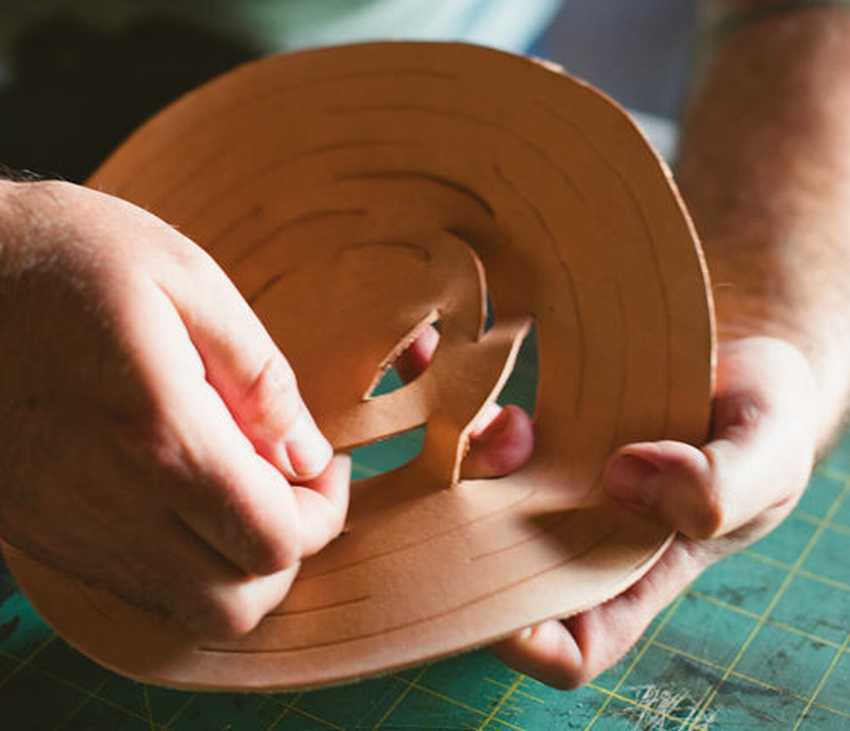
759	641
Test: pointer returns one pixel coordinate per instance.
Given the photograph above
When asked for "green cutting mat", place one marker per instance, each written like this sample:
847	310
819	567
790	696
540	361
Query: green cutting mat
759	641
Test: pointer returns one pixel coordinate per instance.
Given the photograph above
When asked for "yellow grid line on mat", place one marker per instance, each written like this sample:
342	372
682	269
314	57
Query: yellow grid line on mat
747	677
833	474
84	700
760	622
518	691
497	706
313	717
401	696
603	691
654	712
822	681
453	701
765	559
22	663
179	712
772	622
777	564
93	694
285	711
147	696
834	583
667	617
813	519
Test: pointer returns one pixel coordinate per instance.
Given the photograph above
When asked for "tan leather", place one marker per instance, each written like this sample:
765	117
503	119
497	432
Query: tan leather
355	195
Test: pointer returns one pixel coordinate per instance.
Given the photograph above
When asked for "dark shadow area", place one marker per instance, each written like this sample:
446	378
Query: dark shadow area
521	386
405	368
387	454
76	92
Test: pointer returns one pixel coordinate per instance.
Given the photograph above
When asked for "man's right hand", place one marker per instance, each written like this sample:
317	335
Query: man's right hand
153	440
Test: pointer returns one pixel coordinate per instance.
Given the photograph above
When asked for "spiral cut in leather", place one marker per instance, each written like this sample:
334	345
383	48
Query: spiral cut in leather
355	195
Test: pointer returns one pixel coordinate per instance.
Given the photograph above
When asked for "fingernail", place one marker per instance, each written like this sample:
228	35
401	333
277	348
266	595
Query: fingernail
306	450
525	634
629	480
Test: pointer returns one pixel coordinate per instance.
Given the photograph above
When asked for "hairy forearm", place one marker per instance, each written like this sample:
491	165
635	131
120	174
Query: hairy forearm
765	169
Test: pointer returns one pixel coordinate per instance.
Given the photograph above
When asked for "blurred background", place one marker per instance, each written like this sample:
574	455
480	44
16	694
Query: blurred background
76	76
638	51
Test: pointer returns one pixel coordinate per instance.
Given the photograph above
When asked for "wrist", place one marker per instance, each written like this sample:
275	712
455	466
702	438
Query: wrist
755	300
765	169
8	216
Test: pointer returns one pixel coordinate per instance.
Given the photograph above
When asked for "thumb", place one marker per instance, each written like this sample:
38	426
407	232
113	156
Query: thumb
759	458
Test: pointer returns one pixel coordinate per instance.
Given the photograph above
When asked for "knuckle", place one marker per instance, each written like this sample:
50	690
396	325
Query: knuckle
265	533
699	508
275	554
273	398
156	448
190	258
741	412
709	516
226	616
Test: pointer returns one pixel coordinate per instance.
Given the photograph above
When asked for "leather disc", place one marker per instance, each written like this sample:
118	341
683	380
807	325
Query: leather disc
355	195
